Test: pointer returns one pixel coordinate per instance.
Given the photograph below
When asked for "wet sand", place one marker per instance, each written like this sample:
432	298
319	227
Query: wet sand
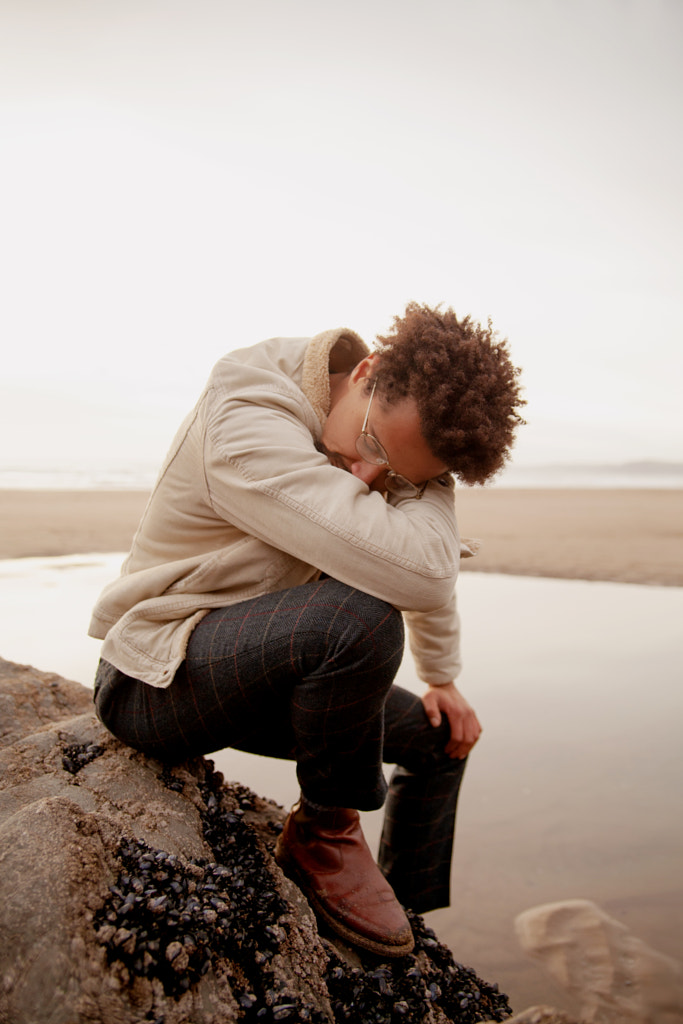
629	536
47	523
626	536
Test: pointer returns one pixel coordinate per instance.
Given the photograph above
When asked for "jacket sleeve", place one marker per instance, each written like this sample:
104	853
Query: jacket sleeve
264	475
435	643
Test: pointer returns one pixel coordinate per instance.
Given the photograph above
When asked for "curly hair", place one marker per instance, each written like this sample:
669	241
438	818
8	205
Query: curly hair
466	389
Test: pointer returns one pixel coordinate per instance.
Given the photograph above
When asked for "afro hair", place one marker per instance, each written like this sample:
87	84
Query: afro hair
466	389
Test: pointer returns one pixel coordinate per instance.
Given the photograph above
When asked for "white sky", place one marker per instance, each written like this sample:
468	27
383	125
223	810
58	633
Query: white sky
182	178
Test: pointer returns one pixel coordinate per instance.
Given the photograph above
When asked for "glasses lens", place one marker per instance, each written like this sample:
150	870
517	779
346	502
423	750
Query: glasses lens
369	449
398	484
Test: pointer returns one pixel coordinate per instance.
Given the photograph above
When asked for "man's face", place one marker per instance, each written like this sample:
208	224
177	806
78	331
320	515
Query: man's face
396	427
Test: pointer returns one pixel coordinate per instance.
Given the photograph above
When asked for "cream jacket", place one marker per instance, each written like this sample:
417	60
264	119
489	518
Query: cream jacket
245	505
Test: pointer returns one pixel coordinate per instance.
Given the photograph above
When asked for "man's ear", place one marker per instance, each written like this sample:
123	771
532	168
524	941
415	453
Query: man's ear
365	368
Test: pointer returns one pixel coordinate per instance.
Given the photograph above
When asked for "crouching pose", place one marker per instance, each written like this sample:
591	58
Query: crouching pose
304	515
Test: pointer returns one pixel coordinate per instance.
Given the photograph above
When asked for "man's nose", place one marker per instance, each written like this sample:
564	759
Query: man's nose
366	471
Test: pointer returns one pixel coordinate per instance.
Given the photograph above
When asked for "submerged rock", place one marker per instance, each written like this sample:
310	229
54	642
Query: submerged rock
132	891
615	977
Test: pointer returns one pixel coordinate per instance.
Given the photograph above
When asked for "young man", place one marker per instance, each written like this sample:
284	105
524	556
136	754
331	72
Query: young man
304	512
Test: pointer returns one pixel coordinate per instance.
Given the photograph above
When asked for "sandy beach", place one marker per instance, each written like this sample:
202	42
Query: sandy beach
628	536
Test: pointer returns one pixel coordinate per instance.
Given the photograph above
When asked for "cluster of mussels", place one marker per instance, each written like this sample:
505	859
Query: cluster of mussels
403	991
170	918
76	755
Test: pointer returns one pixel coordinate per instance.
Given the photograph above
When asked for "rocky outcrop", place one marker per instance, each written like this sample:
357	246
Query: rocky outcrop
30	699
131	891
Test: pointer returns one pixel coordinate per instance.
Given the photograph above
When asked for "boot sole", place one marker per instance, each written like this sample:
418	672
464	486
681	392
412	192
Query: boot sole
355	938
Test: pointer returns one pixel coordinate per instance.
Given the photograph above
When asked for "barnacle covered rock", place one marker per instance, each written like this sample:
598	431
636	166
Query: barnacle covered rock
132	891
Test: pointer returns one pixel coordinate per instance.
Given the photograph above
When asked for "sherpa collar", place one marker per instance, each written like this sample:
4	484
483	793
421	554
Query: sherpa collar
335	351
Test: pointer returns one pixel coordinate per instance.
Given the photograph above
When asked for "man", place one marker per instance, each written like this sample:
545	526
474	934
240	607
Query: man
306	502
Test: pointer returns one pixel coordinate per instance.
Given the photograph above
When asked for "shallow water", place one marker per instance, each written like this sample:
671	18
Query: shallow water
574	789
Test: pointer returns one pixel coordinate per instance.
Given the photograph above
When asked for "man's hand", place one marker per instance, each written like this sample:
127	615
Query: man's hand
465	729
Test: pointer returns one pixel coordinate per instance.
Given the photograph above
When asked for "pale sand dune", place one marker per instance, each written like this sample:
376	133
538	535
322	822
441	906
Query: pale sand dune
631	536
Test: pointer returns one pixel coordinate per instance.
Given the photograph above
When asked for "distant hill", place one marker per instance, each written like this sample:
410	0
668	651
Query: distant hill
675	468
641	473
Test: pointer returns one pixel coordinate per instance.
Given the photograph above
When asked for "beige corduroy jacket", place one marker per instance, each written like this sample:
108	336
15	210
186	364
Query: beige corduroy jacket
245	505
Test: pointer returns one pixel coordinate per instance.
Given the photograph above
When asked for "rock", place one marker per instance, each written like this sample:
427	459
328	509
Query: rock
29	699
615	977
132	891
541	1015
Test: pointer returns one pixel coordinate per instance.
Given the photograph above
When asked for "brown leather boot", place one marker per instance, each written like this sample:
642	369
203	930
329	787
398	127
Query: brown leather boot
325	853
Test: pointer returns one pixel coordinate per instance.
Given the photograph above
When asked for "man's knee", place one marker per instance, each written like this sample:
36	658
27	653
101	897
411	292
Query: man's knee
368	621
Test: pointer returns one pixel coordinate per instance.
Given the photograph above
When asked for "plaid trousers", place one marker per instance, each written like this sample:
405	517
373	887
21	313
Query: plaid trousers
307	674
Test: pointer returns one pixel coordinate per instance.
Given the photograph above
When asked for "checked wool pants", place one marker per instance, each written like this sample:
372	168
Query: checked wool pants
307	674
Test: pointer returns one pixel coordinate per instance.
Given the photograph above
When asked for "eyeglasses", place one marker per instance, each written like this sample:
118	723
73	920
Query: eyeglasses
370	450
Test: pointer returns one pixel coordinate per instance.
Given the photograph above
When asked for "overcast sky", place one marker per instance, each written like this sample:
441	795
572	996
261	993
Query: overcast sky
183	178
